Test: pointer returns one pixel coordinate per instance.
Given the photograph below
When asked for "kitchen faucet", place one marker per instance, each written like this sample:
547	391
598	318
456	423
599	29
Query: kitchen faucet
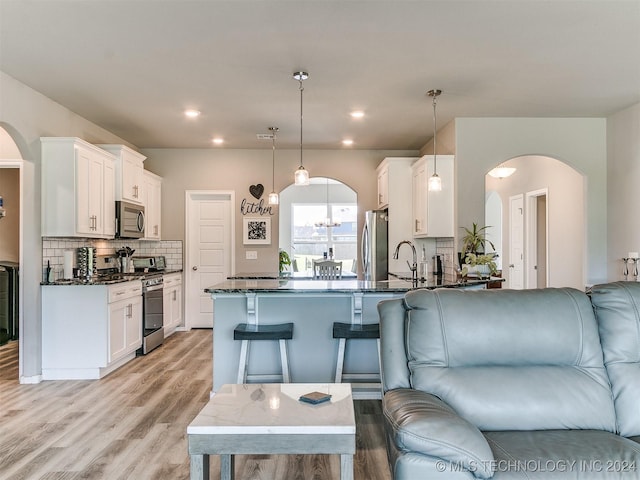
414	267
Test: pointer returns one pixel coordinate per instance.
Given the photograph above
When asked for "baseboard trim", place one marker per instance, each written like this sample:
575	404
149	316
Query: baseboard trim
32	380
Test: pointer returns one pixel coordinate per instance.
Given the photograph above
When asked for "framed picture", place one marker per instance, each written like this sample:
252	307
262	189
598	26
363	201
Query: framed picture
256	231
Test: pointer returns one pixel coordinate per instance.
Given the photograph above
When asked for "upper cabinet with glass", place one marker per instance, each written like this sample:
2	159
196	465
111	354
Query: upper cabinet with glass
433	210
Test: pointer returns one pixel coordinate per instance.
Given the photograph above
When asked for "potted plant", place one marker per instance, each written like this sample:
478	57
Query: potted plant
285	260
474	240
481	264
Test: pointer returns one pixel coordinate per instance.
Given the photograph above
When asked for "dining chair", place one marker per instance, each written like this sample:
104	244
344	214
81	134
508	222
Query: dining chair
327	270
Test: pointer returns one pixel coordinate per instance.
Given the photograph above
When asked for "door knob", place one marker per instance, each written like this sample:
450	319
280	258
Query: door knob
512	266
194	268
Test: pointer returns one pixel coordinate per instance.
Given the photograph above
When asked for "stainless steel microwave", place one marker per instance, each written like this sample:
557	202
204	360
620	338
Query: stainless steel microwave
129	220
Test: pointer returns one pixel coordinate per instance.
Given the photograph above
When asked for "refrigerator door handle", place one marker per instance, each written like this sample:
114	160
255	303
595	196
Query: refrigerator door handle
364	251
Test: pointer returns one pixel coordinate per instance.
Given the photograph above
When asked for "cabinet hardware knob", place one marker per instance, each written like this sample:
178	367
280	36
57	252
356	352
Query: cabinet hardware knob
194	268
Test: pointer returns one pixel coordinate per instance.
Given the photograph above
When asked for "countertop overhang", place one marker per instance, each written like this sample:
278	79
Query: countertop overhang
263	284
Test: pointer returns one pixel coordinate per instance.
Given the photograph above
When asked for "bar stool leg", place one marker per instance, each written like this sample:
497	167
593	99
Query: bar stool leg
244	362
340	360
379	360
284	361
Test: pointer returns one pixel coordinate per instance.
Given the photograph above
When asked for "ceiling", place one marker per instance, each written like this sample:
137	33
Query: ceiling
134	66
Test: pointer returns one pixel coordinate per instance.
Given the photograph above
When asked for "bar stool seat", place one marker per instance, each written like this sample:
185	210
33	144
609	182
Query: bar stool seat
247	332
349	331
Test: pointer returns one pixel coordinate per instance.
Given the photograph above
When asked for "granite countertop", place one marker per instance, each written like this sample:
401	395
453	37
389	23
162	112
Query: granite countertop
393	285
108	279
282	276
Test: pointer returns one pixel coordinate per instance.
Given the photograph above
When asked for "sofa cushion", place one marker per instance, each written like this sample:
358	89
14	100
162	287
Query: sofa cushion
424	424
562	454
617	308
511	360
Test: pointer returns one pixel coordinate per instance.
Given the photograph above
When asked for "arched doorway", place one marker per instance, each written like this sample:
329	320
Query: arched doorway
548	242
11	247
319	218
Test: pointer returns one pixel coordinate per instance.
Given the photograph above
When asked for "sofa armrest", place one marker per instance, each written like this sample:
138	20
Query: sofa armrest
420	422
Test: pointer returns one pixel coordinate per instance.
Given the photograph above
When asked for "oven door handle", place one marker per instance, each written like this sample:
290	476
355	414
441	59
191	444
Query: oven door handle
153	288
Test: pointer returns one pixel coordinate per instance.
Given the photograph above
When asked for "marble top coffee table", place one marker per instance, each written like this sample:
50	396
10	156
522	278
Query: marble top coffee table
269	419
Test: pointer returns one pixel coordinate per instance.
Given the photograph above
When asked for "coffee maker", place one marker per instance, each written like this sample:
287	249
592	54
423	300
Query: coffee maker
437	264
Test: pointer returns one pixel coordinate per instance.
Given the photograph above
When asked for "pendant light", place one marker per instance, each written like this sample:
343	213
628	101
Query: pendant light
327	222
435	182
273	196
301	176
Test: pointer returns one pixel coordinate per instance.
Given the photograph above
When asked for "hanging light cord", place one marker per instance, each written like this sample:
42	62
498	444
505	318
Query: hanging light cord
435	161
273	160
301	90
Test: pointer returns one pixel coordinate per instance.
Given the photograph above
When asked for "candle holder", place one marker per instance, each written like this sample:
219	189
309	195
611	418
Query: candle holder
625	268
635	268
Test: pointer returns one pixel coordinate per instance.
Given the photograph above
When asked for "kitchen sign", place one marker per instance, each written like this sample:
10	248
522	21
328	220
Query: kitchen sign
249	207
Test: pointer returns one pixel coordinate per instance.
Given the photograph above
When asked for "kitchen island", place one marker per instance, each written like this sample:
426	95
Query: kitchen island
312	306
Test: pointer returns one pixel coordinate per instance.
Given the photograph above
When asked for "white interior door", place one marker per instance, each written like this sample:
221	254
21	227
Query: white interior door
209	251
516	242
536	239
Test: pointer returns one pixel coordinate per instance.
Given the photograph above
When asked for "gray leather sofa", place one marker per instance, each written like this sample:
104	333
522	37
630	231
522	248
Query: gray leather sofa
512	384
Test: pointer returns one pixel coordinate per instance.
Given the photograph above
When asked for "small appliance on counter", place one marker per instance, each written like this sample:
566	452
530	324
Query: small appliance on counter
437	264
87	267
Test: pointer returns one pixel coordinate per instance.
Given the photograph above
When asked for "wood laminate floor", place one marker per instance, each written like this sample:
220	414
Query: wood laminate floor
132	424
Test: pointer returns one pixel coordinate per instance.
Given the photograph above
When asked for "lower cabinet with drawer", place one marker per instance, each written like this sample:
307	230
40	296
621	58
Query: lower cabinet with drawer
88	331
172	302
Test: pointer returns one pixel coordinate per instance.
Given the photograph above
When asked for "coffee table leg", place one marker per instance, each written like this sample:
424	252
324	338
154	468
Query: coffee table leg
346	467
199	467
226	467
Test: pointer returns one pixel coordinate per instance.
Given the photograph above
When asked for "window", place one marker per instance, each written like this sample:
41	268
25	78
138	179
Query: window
310	241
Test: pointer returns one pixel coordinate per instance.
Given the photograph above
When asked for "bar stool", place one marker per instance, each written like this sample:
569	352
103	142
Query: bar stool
349	331
247	332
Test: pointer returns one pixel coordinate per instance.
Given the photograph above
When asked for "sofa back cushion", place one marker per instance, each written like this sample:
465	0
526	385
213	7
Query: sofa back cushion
617	308
510	359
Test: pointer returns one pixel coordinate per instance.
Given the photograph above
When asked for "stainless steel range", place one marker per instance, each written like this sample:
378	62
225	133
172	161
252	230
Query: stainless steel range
152	310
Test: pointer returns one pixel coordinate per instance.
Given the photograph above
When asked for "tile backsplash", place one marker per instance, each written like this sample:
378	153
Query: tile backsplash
53	250
445	247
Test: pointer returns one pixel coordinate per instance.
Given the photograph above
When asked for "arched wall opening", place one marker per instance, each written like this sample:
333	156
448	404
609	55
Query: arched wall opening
551	250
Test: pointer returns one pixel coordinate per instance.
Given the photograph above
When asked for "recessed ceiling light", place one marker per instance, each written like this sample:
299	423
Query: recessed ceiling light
218	140
357	114
192	113
347	142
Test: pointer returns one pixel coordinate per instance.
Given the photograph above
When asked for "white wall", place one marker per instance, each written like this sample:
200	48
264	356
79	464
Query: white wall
219	169
623	177
483	143
565	198
28	115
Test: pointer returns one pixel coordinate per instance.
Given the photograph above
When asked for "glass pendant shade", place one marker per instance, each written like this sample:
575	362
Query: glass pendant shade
274	199
435	183
301	176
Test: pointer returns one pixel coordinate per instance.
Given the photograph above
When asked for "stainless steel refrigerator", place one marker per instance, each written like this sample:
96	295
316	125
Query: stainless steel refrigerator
374	248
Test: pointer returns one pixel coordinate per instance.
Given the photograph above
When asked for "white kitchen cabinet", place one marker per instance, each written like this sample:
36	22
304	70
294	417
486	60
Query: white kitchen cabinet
394	181
172	302
152	205
125	319
89	330
78	189
129	173
383	184
433	211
